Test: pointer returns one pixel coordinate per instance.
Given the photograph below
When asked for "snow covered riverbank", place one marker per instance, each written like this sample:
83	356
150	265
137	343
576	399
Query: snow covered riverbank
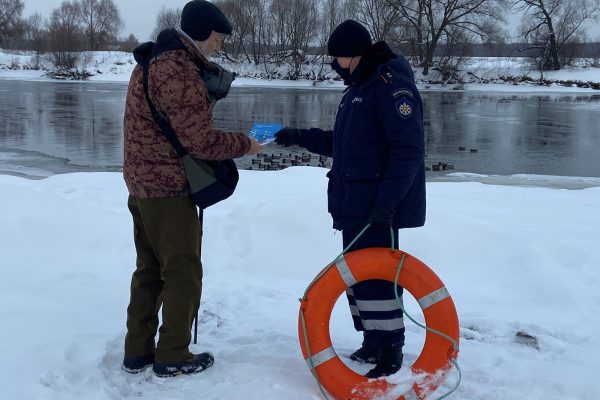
497	74
520	262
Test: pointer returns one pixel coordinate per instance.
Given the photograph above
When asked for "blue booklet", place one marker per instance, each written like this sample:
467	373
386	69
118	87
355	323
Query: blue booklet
264	132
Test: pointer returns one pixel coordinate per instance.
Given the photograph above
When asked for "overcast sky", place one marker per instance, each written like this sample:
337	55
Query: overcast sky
139	15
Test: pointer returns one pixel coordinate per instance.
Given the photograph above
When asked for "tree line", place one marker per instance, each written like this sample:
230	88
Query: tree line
73	27
434	34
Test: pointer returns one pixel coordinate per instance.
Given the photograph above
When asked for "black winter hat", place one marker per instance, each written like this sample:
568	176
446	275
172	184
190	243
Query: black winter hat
349	39
199	18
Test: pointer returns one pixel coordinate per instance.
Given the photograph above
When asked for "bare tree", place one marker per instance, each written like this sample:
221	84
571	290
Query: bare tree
166	18
279	31
233	44
433	20
333	13
412	14
36	33
377	16
36	37
258	28
240	14
129	43
452	54
101	20
10	16
279	41
64	34
293	31
549	25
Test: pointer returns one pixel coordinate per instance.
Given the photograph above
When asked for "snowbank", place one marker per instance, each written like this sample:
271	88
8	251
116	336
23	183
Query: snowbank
515	259
498	74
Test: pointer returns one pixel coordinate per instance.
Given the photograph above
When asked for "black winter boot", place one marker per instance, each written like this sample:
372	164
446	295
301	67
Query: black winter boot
366	355
389	363
196	363
135	365
370	351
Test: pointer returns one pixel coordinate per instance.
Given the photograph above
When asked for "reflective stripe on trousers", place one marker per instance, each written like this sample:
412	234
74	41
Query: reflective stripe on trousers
373	303
371	312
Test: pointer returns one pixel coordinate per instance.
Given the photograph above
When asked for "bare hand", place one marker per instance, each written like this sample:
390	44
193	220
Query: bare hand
255	147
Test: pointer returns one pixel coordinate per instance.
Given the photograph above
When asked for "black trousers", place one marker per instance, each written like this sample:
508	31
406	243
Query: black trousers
373	304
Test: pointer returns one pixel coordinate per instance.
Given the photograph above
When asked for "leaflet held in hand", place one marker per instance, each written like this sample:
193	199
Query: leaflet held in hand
264	133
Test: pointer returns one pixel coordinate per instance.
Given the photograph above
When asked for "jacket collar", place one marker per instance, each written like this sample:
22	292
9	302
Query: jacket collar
168	40
377	55
192	48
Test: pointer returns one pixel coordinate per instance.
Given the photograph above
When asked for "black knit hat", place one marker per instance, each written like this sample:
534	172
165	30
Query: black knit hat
200	18
349	39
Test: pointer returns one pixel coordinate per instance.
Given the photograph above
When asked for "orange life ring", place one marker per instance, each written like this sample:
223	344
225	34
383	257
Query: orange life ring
415	277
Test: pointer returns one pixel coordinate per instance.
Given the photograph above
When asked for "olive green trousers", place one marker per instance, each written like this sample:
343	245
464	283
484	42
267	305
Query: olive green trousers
168	274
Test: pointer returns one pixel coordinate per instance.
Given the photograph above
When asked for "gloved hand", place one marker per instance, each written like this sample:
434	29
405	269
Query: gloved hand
287	137
381	217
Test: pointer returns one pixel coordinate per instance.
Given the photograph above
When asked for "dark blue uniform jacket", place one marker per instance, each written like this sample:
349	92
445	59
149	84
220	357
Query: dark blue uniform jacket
377	144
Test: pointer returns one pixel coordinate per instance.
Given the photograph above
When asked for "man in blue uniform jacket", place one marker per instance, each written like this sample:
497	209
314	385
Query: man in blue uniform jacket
378	175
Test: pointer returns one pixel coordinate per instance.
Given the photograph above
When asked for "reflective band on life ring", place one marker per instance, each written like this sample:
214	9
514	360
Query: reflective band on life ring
415	277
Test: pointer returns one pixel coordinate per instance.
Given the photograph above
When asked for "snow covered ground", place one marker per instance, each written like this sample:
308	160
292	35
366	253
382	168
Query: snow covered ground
520	262
113	66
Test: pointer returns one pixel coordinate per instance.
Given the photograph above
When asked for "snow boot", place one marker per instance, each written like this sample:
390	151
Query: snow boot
196	363
135	365
389	363
366	355
369	352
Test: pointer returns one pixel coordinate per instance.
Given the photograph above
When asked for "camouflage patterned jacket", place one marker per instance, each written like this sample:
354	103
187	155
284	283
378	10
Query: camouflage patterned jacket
151	166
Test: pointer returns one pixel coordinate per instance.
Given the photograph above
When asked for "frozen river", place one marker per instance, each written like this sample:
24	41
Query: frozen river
54	127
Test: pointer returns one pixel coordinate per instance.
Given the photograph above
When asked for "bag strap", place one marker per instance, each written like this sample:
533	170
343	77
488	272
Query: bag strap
163	123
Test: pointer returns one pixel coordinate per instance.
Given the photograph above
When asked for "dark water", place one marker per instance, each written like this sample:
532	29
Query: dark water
48	128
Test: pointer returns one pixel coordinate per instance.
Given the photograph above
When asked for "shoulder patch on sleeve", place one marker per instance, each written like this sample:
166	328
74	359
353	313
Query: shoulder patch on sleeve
402	93
404	107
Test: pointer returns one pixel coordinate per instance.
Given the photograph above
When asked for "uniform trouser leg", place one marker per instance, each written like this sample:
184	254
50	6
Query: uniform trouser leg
168	273
373	303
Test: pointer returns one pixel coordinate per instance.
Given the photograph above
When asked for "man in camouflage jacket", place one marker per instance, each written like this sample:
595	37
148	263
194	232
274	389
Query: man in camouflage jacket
166	226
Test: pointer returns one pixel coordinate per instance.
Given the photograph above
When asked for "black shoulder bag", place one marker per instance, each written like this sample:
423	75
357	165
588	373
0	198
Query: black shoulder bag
210	181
